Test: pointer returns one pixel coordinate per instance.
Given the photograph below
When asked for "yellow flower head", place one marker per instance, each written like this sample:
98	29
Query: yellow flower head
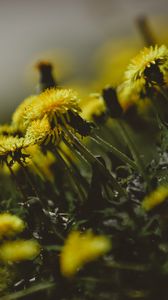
14	251
129	94
94	106
10	145
18	118
37	131
145	59
10	225
53	103
81	248
155	198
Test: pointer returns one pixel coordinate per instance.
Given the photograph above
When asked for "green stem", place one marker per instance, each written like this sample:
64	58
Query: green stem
82	180
127	266
76	151
27	175
31	290
133	150
92	159
124	158
67	168
163	93
19	188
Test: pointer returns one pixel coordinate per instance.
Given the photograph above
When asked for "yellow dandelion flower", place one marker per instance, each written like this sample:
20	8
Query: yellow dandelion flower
147	58
129	94
10	146
95	106
81	248
54	103
155	198
18	118
37	131
10	225
15	251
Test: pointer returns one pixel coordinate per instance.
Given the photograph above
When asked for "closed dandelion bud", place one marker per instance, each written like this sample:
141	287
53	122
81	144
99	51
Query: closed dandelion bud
15	251
156	198
81	248
10	225
113	106
46	77
79	124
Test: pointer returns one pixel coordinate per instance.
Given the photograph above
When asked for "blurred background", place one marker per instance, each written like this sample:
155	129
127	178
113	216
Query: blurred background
85	39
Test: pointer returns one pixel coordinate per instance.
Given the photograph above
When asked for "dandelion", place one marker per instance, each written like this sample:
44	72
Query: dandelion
93	108
129	94
18	118
12	147
37	131
156	198
81	248
19	250
10	225
150	65
54	103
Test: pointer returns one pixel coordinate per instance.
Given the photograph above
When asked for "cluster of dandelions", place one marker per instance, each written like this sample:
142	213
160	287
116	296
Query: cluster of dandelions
43	120
38	121
79	248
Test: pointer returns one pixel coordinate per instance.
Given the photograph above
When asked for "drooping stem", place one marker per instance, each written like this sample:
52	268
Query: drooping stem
124	158
92	159
78	154
139	162
77	187
27	175
82	180
163	92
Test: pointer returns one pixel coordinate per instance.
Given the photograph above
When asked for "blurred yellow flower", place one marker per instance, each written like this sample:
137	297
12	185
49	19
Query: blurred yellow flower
94	106
14	251
81	248
10	225
157	55
155	198
40	163
18	117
